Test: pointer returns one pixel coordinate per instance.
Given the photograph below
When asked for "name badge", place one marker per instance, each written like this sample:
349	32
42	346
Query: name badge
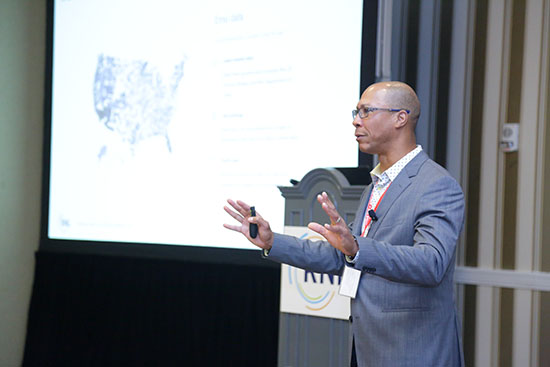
350	282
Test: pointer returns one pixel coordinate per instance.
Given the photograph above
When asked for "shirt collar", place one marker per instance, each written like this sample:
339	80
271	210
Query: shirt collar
391	173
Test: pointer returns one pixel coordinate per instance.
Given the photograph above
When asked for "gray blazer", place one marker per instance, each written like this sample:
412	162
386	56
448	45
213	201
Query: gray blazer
404	313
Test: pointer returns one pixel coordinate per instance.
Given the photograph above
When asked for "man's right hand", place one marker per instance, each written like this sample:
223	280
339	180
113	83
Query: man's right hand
241	213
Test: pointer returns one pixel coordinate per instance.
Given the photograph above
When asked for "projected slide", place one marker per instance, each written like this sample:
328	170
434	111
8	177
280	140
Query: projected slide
162	110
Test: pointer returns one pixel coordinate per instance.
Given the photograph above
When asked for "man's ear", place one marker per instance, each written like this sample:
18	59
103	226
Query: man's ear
401	119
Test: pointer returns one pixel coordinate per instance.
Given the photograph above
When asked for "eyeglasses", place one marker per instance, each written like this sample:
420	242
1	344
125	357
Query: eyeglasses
365	111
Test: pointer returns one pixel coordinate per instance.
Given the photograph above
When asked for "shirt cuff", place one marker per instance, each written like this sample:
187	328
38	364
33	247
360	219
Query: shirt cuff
352	259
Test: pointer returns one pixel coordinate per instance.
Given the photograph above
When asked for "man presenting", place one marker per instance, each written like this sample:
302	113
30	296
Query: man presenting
401	246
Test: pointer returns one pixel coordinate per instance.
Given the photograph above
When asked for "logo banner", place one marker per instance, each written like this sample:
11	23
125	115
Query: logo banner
308	293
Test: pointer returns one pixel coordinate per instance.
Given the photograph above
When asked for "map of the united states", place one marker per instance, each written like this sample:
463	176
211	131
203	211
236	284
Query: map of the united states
132	99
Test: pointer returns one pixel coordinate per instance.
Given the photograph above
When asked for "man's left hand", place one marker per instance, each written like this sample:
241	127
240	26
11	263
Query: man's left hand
337	232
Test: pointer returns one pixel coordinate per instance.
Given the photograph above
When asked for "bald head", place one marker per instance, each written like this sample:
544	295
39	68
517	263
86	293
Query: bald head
398	95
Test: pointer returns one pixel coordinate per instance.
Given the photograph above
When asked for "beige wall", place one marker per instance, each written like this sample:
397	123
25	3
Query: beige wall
22	55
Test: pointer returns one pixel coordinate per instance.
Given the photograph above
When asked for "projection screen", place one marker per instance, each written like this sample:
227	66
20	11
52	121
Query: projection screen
162	110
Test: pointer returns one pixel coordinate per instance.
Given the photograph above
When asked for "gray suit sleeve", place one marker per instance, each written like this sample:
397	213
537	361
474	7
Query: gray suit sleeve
317	256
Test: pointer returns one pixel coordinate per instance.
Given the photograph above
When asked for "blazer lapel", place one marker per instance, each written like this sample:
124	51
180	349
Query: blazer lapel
401	182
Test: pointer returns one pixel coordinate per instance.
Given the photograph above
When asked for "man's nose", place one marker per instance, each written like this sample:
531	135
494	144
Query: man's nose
357	121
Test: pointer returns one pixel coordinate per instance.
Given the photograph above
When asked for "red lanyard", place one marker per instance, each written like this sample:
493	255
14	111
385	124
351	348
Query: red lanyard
368	219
